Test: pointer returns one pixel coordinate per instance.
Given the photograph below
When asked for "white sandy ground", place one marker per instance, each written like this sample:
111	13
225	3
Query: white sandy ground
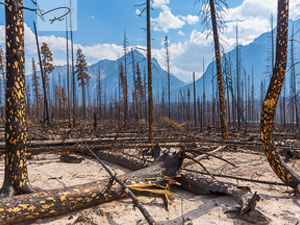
46	171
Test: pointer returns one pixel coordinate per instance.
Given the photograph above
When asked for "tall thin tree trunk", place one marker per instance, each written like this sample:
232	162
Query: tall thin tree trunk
46	109
238	80
203	100
83	100
195	100
73	72
68	73
219	71
169	76
150	98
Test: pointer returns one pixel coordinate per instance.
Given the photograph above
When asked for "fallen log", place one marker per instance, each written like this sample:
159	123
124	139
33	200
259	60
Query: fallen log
56	202
199	185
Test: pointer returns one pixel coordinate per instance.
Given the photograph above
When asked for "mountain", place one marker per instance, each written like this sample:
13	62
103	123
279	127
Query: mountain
110	76
256	56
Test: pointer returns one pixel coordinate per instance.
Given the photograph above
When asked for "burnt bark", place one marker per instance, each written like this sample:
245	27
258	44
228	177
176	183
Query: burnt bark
269	107
16	177
57	202
219	71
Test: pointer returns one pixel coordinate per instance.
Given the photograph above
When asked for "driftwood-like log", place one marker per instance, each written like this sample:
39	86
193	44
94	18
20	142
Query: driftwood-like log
56	202
200	185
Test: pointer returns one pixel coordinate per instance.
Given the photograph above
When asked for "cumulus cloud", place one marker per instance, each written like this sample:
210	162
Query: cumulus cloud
166	21
190	19
160	3
180	33
98	51
251	9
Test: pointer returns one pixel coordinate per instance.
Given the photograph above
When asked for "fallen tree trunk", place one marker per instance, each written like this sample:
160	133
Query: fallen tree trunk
56	202
199	185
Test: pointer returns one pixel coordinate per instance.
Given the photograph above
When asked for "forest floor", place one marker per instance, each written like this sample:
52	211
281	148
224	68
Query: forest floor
46	171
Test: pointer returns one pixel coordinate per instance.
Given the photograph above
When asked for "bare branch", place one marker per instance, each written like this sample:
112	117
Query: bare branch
3	3
147	216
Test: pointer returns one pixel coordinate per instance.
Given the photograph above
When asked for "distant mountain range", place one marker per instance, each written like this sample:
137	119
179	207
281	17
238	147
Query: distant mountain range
254	56
110	76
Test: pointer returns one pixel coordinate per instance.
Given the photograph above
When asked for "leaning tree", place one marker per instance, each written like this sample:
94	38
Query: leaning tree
269	107
210	13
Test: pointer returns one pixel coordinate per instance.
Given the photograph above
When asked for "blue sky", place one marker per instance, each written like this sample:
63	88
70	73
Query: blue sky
101	25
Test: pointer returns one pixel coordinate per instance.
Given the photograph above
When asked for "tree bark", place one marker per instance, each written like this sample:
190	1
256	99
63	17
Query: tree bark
219	71
16	177
150	100
57	202
269	107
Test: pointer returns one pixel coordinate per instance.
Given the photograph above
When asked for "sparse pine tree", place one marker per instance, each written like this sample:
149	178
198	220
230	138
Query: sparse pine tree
210	14
82	76
47	64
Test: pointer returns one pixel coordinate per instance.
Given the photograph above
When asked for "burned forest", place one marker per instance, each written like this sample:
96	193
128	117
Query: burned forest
154	112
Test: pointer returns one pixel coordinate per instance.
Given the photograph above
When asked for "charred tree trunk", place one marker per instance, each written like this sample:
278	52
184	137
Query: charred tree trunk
219	71
150	97
195	100
68	73
169	76
73	72
46	108
16	177
269	108
57	202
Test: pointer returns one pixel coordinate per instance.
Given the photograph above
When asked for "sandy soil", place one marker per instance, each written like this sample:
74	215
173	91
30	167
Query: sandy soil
47	172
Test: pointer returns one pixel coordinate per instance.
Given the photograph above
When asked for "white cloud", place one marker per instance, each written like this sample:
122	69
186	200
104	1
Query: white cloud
166	21
181	33
92	17
252	9
137	12
59	62
160	3
101	51
190	19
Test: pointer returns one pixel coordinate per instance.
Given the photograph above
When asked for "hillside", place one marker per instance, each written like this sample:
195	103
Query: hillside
110	76
255	55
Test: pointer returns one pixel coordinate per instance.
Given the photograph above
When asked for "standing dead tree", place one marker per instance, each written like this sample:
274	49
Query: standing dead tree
169	75
36	89
68	72
210	13
149	66
48	67
124	81
269	107
46	109
99	93
16	177
195	100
